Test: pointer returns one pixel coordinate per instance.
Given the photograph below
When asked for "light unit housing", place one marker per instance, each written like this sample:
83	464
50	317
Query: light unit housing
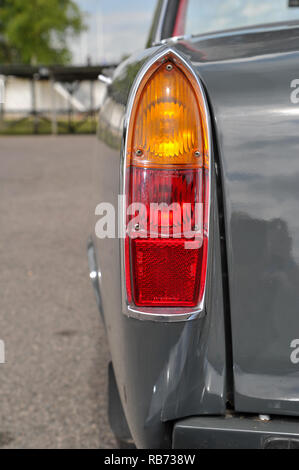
166	182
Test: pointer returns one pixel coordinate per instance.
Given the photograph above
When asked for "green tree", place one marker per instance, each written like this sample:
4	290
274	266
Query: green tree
37	31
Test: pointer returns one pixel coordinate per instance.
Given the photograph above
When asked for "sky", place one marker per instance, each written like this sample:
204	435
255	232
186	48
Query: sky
120	27
115	28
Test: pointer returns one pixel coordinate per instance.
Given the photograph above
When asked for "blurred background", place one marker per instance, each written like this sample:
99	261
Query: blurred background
51	53
53	382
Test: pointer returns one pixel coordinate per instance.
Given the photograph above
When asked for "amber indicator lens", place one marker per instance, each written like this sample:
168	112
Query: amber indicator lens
168	130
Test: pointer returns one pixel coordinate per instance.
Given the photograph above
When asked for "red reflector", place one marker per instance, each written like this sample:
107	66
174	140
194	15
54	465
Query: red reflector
166	274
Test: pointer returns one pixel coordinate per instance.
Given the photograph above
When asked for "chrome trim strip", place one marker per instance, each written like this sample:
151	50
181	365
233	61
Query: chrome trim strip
104	79
226	33
171	40
94	274
182	314
159	314
158	34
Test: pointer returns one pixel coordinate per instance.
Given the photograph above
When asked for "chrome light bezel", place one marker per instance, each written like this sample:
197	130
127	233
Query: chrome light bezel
160	314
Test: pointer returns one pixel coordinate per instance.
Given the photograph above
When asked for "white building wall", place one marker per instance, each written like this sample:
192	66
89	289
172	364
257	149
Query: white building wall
18	98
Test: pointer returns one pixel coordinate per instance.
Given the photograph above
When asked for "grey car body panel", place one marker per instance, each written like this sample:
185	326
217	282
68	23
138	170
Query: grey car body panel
248	77
169	371
163	371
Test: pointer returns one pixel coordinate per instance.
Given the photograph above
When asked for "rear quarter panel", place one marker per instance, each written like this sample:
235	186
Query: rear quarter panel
164	371
248	80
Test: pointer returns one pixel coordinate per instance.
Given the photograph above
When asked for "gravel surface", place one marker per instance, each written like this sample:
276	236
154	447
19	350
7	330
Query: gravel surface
53	385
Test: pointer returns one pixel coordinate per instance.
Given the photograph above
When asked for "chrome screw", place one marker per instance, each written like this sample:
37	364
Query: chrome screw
197	154
195	228
139	153
169	67
137	227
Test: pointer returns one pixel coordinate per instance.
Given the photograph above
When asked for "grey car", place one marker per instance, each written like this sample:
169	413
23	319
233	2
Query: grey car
203	338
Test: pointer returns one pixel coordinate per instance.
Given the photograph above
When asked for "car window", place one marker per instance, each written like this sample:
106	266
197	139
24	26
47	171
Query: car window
204	16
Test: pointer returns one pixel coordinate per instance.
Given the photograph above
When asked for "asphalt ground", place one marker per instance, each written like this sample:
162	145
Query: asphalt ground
53	384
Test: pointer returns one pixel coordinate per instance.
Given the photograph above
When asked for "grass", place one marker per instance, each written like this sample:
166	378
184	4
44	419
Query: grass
26	127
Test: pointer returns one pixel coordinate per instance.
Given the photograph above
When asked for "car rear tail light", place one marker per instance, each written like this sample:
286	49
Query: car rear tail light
167	181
